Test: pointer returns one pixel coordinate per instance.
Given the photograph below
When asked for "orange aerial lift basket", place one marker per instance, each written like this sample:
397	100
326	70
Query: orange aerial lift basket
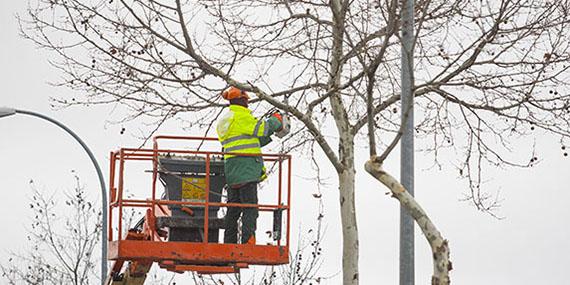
183	219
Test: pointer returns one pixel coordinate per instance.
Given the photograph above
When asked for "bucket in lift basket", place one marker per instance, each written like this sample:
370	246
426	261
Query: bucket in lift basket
184	179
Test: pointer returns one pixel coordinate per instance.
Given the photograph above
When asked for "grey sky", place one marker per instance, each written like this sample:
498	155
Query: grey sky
530	246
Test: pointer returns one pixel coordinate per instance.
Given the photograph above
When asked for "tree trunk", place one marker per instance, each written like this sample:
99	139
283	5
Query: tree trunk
348	215
439	246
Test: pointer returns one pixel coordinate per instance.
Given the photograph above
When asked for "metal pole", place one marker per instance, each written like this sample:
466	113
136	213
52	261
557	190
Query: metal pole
407	144
101	181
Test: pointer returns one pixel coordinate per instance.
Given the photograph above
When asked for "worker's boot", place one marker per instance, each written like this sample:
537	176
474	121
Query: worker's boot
251	240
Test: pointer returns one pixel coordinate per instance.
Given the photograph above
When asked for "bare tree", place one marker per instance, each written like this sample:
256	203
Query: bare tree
487	73
61	242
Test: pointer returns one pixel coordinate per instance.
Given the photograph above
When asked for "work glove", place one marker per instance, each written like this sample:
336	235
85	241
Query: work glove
278	116
285	126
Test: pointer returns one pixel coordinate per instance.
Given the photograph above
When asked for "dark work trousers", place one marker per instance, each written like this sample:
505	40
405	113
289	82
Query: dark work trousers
246	194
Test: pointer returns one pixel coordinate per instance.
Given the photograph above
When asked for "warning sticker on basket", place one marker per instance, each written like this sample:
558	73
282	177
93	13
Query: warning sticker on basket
194	189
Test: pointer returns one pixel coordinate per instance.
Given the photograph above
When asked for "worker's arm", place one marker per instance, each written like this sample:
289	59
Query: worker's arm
272	124
263	141
262	129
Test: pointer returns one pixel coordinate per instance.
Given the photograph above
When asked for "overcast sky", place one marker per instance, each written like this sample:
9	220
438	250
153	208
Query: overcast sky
531	245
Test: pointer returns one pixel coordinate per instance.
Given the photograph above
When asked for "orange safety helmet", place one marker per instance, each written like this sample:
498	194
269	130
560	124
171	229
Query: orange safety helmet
233	93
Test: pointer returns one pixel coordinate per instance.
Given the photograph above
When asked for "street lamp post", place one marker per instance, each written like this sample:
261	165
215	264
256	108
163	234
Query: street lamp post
4	112
407	243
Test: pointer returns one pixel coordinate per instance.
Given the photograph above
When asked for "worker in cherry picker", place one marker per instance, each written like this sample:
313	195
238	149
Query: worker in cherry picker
240	132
